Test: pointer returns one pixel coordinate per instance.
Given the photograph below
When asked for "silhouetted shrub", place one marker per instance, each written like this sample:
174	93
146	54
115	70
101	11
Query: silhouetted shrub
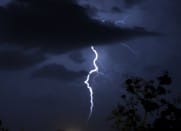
145	106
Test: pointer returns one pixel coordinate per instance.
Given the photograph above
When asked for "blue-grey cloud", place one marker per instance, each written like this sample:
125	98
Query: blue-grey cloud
130	3
60	72
57	26
116	9
16	60
77	57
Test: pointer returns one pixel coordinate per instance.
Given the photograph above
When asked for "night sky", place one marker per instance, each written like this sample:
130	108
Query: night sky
45	56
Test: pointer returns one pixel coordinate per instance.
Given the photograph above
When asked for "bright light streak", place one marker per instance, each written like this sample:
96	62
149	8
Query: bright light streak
96	69
130	49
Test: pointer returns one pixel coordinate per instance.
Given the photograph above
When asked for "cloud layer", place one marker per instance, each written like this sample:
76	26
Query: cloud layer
130	3
57	26
60	72
16	60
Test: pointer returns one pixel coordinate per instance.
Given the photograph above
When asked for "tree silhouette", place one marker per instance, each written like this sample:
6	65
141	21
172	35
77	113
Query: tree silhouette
2	128
146	106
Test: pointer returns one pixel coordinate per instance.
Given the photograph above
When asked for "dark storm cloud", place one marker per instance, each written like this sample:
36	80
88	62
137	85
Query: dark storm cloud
130	3
91	10
116	9
15	60
60	72
77	57
57	25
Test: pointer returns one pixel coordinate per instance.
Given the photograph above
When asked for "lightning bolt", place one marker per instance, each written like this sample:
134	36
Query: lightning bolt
96	69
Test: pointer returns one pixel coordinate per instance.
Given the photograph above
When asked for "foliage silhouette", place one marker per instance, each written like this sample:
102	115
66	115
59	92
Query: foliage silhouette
2	128
146	106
